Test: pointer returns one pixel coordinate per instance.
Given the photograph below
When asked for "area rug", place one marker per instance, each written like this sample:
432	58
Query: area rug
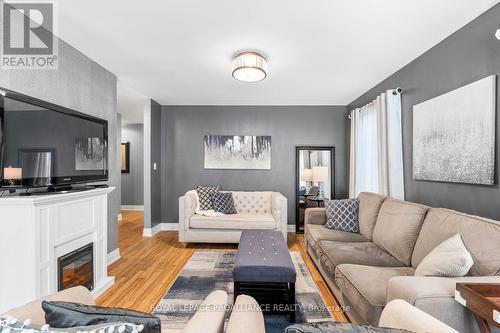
207	271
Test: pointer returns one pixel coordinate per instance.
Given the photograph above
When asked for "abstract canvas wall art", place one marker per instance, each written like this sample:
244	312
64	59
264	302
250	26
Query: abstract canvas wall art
454	135
90	154
237	152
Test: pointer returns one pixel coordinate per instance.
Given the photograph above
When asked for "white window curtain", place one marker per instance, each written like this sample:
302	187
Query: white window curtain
376	155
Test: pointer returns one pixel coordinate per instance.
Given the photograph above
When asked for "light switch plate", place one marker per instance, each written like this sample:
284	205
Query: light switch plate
154	166
459	298
496	316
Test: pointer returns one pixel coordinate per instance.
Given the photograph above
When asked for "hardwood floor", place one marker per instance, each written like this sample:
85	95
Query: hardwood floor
150	265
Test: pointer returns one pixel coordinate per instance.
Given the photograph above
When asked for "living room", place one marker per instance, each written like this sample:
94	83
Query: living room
250	167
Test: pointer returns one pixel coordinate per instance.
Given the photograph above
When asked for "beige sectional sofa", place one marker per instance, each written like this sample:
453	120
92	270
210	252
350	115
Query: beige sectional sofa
367	270
256	210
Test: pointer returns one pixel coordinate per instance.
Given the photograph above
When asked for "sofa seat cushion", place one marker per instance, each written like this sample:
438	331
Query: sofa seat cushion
331	254
365	287
234	222
315	233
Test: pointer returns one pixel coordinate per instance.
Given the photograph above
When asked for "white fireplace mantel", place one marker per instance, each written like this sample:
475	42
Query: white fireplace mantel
36	230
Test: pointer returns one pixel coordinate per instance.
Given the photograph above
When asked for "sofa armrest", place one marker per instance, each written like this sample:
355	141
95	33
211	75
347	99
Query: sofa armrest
436	296
280	212
402	315
246	317
187	208
34	311
210	315
415	288
315	216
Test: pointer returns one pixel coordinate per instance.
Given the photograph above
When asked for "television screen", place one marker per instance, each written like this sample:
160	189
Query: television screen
45	145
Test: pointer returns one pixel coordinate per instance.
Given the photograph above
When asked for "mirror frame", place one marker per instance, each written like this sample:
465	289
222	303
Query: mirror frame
333	169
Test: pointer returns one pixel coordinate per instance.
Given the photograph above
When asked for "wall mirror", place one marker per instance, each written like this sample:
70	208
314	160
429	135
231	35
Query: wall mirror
314	180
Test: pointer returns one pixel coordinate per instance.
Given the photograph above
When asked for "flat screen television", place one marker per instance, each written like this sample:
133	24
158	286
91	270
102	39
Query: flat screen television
46	145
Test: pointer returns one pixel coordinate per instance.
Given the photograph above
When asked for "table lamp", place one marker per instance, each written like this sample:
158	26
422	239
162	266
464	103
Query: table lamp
320	175
12	174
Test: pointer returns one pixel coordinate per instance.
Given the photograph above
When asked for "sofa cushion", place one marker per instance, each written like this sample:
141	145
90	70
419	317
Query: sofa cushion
315	233
398	226
342	215
223	203
369	206
480	236
233	221
448	259
365	287
331	254
205	196
67	314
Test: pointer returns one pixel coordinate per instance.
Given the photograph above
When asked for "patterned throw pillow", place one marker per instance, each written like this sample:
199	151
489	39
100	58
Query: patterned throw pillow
205	196
342	215
223	203
333	327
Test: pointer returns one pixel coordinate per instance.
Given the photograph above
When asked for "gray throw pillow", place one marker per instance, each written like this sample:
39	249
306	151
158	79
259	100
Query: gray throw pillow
223	203
342	215
205	196
333	327
67	314
8	323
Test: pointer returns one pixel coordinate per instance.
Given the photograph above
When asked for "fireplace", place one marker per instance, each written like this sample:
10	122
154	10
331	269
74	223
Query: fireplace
77	268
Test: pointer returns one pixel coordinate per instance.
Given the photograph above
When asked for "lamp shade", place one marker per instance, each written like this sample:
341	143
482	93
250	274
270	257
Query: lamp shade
320	174
11	173
306	175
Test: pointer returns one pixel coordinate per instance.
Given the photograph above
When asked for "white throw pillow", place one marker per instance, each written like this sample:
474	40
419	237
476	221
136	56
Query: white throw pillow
448	259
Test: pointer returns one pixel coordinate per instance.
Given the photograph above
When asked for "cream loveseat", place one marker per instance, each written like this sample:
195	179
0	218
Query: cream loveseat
368	270
256	210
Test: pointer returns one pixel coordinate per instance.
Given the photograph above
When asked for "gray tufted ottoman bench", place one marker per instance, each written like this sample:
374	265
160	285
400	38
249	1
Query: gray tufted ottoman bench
264	270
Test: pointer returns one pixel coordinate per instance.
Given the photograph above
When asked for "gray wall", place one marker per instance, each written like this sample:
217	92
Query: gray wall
85	86
133	182
470	54
183	129
156	144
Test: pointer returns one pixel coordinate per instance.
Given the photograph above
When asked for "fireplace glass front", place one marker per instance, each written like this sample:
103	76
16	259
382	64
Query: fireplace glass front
77	268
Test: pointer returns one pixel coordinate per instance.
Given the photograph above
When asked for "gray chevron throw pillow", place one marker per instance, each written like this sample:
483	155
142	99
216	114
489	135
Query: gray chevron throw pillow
342	215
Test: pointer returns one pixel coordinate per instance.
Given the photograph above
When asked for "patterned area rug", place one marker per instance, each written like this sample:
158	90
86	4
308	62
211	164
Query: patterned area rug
209	271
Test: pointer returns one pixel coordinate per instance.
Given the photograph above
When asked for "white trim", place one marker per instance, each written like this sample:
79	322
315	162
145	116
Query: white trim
147	163
291	228
132	207
100	289
113	256
150	232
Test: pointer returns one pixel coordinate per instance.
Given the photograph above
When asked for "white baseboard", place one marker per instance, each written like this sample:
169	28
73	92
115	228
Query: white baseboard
113	256
291	228
132	207
100	289
150	232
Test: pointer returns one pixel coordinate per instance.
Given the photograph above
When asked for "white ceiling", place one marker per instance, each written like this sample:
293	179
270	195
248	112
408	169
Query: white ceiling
320	52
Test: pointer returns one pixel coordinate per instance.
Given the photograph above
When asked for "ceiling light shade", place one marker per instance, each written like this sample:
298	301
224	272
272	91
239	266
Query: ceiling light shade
249	66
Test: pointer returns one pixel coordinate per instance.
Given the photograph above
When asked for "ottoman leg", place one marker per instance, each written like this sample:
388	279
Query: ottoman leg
292	302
